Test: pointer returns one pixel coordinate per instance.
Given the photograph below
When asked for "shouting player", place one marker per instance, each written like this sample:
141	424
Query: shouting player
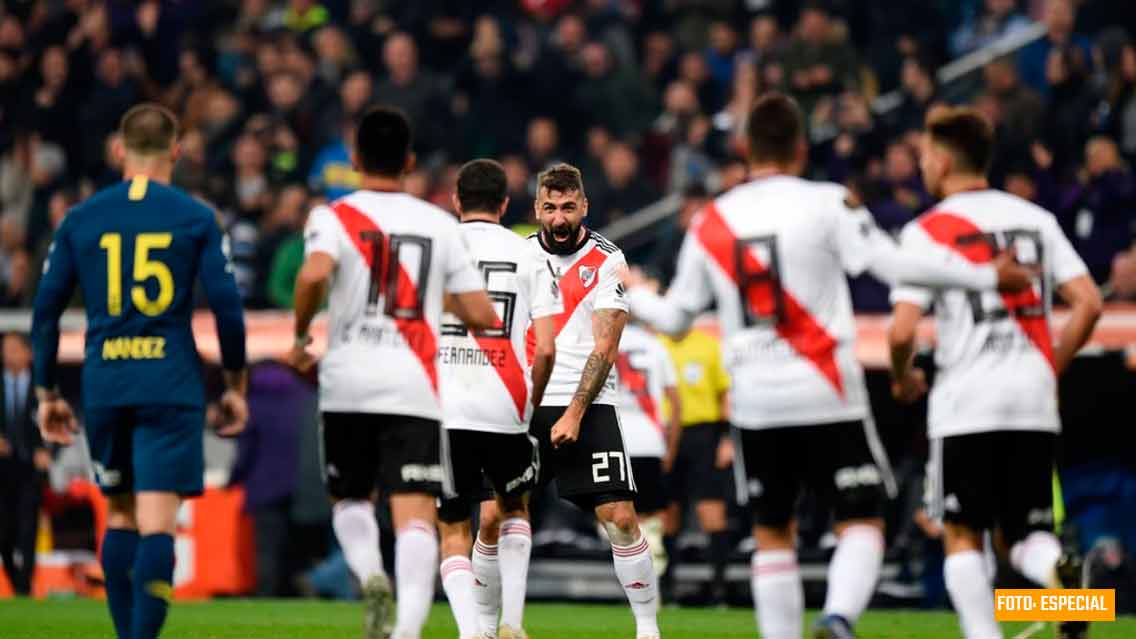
135	250
773	254
992	418
391	261
576	425
646	377
490	394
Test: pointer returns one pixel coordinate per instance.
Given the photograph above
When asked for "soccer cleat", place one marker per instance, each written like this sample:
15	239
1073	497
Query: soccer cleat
509	632
1071	574
833	627
378	603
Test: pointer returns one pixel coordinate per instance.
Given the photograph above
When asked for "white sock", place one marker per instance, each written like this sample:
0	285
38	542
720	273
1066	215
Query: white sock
358	534
486	585
653	529
1036	557
779	597
457	581
853	572
415	562
514	548
636	574
968	584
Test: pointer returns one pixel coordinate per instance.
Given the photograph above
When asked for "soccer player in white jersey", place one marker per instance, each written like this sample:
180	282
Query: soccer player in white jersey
992	418
646	377
390	261
577	425
773	253
489	395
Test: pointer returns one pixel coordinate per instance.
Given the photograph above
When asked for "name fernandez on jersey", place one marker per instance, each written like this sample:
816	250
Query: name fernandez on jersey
589	280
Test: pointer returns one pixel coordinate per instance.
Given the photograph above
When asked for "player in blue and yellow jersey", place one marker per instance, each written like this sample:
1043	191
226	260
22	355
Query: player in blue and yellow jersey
136	250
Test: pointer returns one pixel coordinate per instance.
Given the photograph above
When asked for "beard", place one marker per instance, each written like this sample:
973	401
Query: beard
561	239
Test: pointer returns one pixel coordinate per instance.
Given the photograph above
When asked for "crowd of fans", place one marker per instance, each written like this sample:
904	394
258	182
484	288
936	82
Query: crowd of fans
646	97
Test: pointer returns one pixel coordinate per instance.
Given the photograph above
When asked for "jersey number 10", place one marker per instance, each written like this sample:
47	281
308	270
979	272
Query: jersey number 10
386	271
144	268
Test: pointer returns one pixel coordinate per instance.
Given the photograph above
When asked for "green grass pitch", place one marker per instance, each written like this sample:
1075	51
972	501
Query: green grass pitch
243	619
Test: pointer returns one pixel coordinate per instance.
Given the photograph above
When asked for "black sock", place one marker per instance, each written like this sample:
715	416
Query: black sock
719	556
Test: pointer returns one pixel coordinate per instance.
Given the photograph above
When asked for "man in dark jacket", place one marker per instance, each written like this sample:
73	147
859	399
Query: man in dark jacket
24	461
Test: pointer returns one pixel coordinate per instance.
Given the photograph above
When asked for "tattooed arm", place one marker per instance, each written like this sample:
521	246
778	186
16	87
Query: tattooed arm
607	328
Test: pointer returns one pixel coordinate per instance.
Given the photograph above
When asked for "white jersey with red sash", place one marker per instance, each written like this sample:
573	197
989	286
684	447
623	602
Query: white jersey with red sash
773	254
994	352
395	258
590	280
486	383
645	370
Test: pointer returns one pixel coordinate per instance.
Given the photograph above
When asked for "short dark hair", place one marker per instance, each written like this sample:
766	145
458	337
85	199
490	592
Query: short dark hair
966	133
561	177
382	142
775	128
148	129
482	186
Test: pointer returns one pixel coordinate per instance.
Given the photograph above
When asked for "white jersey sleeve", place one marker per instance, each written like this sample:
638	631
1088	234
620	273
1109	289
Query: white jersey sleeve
462	275
544	288
610	293
324	233
863	246
690	293
914	239
1064	260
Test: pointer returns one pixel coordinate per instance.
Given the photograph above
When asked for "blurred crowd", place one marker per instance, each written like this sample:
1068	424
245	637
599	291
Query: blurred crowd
647	97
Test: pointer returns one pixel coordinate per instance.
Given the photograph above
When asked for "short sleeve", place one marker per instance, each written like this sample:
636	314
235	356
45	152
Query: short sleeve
690	289
913	239
462	275
1065	262
323	233
544	288
610	292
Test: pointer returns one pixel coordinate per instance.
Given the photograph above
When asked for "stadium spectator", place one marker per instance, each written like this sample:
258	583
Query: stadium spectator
517	176
542	143
489	95
1060	19
1018	109
614	97
331	173
24	461
414	91
622	191
919	90
1120	98
1096	210
819	60
1067	121
664	261
999	18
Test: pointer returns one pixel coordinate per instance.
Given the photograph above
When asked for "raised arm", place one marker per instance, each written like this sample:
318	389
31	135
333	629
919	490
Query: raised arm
473	308
689	294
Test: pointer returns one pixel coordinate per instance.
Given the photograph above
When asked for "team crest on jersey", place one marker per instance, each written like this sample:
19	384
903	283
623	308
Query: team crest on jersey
587	275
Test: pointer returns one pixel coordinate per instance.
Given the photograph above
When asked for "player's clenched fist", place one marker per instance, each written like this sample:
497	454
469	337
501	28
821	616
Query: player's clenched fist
300	358
57	422
565	431
910	387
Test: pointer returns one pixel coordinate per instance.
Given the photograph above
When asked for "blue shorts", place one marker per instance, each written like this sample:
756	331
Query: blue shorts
147	448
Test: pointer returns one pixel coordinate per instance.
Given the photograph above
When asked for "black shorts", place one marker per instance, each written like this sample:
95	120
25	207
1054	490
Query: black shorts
485	462
650	495
398	453
592	471
694	476
834	460
1000	479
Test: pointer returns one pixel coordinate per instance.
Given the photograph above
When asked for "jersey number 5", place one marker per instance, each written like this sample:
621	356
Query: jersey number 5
144	269
386	274
507	301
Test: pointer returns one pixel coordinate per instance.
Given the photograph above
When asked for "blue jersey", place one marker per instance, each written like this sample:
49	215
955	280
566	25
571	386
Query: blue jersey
136	249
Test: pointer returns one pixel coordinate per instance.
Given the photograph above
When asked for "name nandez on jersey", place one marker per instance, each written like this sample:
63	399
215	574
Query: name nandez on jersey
470	356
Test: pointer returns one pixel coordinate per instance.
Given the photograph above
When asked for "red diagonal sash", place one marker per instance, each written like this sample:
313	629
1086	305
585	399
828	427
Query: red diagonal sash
417	332
635	381
947	228
802	332
573	291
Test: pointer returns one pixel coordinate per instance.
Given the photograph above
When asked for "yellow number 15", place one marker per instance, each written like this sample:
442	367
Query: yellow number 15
144	268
